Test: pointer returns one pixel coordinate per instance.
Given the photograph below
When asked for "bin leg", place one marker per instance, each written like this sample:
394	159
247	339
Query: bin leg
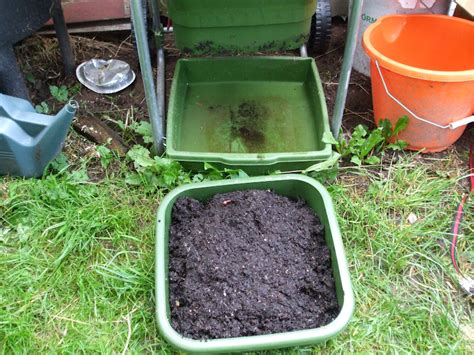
351	43
63	38
11	77
155	99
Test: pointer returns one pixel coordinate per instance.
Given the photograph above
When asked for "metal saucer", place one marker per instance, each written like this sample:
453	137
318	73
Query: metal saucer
105	76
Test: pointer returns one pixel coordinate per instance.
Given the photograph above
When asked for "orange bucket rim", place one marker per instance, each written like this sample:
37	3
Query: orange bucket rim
410	71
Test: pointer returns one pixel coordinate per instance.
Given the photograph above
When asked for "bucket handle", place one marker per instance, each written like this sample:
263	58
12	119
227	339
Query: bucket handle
452	125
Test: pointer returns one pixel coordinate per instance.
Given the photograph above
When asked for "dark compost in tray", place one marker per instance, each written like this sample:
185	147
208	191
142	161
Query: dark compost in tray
248	263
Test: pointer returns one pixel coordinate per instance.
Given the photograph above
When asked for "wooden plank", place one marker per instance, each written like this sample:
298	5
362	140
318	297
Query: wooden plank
95	10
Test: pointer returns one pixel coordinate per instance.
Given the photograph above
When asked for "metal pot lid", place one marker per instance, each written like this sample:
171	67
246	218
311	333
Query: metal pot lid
105	76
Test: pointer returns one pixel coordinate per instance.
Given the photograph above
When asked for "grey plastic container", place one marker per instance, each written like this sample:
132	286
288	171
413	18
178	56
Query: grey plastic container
29	140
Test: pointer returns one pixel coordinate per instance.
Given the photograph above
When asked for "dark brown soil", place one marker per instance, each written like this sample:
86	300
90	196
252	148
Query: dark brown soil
248	263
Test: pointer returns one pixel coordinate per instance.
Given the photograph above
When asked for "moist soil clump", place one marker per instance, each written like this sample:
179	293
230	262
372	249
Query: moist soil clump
248	263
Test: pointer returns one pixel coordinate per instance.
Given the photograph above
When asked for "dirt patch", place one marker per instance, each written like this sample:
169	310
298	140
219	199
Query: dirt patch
359	97
247	123
40	62
248	263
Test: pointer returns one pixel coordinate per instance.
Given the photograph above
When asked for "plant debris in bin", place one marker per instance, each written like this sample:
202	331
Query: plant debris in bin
248	263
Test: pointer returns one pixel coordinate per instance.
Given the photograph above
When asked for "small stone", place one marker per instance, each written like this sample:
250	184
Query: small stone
412	218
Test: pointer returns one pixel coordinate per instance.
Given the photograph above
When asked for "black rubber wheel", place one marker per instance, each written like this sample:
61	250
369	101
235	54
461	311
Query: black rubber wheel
320	35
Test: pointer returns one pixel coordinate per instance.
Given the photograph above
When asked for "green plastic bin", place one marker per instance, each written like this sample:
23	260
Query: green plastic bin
259	114
214	26
295	186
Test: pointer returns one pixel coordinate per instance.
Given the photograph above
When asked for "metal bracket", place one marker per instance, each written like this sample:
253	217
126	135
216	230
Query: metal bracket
304	51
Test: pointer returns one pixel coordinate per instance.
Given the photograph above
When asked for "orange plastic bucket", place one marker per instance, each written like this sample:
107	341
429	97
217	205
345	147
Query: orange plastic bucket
422	66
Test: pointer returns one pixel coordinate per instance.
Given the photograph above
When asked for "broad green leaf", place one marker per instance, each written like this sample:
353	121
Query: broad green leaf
148	139
166	163
120	124
356	160
60	163
359	132
59	93
325	165
105	155
328	138
209	166
373	160
371	142
401	125
140	156
402	143
386	126
198	178
79	176
398	145
145	130
30	77
169	177
103	151
42	108
133	179
53	89
242	174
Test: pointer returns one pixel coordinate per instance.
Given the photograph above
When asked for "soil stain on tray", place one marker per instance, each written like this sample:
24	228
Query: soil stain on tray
248	263
245	126
248	123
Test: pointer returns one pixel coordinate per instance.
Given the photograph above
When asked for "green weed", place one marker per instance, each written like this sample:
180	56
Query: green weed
43	108
363	146
134	127
59	93
106	156
30	78
154	173
63	93
143	129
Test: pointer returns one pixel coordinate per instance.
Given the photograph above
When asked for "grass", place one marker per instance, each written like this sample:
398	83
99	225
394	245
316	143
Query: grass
404	283
76	260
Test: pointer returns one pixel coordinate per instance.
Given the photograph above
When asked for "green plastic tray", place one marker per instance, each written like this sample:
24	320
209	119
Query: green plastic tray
259	114
296	186
214	26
